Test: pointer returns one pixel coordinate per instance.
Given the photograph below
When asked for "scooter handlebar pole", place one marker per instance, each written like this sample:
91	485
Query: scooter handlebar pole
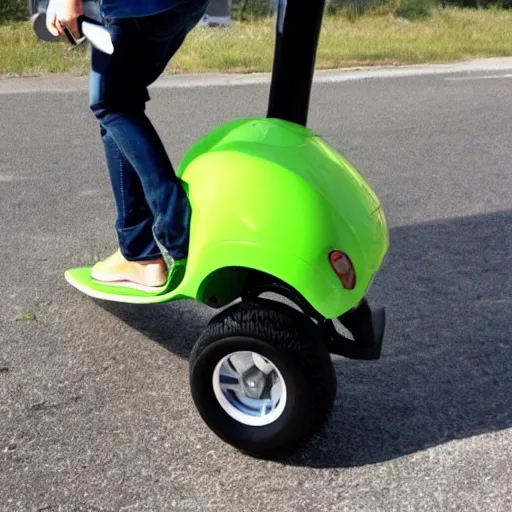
297	34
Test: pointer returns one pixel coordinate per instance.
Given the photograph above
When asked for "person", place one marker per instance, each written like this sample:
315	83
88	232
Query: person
153	211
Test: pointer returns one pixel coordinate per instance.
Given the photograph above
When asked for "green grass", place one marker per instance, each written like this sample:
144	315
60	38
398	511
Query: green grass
22	54
449	35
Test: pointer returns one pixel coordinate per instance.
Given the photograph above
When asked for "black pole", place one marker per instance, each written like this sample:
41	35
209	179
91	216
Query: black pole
297	34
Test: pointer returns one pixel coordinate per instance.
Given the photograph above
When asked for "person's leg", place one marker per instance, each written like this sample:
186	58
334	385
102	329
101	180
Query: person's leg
133	225
134	218
137	140
170	28
150	200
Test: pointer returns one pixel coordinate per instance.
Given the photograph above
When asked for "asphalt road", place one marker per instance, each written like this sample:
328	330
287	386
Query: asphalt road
95	410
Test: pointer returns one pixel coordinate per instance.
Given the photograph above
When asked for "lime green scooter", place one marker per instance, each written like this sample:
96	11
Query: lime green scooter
275	210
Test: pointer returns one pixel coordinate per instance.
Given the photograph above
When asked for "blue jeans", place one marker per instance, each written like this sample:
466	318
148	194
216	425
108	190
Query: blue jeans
153	211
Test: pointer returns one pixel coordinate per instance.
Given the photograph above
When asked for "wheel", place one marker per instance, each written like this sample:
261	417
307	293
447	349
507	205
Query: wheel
262	379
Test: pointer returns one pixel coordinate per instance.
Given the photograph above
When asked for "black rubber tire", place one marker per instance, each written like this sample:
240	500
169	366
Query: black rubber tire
293	343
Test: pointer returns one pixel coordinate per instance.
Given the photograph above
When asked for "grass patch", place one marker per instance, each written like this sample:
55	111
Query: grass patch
448	35
22	54
26	317
416	9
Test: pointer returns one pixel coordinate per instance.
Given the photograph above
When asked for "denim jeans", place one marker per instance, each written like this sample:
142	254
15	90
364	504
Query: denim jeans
153	211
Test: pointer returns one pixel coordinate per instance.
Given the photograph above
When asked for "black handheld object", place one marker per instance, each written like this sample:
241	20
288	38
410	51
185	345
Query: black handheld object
81	36
38	21
89	28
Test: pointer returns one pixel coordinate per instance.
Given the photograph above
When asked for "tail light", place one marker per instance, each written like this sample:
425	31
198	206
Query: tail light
344	269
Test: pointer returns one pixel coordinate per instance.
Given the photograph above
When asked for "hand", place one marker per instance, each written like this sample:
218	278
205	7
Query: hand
63	14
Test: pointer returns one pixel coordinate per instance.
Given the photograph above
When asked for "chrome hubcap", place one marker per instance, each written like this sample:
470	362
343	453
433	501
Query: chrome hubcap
249	388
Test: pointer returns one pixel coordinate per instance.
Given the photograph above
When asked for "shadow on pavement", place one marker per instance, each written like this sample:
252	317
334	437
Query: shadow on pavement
176	326
446	368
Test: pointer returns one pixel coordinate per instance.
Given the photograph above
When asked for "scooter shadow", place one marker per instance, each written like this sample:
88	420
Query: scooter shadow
446	367
176	325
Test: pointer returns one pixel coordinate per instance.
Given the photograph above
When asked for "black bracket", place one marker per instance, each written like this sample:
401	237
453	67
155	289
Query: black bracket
255	290
367	328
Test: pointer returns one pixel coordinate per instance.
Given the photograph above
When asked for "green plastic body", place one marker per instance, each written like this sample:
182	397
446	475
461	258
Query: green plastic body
271	196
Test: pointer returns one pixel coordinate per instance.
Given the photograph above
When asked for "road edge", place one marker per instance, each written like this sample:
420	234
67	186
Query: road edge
63	83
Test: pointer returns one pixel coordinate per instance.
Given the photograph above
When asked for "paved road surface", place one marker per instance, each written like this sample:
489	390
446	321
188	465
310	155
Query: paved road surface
95	411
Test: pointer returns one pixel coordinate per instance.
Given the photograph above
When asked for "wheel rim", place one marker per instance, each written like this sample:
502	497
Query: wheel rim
250	388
